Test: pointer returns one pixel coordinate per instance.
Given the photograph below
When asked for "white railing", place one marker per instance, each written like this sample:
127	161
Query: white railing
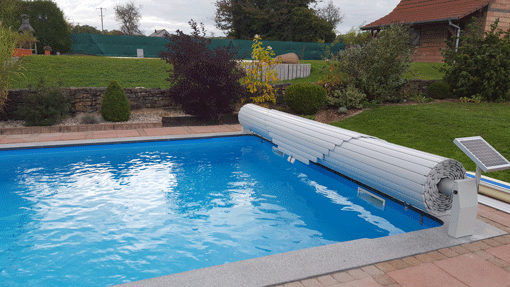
289	71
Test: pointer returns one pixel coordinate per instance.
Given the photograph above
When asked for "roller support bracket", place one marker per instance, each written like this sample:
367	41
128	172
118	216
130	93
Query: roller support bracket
464	208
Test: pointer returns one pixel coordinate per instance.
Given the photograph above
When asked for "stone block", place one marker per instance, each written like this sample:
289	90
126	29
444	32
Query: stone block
289	58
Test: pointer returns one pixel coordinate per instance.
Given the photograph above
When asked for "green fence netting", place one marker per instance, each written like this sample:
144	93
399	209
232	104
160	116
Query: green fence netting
126	46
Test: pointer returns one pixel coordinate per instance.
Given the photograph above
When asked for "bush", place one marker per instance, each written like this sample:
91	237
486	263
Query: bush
350	97
115	105
9	67
480	69
45	106
438	90
342	110
206	82
259	73
377	68
88	119
305	98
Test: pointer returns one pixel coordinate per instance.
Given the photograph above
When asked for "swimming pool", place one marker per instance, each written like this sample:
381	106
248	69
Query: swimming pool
108	214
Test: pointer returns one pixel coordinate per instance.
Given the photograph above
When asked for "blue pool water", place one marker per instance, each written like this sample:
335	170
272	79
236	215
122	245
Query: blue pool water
108	214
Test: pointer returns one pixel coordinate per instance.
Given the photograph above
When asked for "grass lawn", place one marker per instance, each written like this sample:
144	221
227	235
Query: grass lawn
433	127
425	71
92	71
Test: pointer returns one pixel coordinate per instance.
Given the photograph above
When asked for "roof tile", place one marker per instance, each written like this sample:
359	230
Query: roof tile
409	11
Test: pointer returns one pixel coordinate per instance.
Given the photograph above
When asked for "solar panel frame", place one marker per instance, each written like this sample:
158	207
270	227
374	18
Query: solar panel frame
482	153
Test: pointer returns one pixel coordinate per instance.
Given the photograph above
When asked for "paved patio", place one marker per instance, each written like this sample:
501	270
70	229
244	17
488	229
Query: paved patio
480	263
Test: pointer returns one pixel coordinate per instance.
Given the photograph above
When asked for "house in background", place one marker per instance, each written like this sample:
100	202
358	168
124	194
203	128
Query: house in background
160	33
434	21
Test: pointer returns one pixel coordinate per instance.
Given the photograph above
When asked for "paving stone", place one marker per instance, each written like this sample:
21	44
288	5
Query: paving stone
436	255
343	277
426	274
412	261
385	267
483	254
399	264
474	271
502	239
498	262
366	282
384	280
507	269
294	284
424	258
472	247
358	274
459	249
311	283
327	280
372	270
492	242
501	252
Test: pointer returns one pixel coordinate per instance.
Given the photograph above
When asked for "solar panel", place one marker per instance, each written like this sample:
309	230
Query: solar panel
482	153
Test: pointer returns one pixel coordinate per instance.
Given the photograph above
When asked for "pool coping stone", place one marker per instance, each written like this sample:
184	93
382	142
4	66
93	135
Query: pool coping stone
322	260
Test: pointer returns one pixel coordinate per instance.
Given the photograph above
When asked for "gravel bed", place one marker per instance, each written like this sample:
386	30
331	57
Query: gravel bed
137	116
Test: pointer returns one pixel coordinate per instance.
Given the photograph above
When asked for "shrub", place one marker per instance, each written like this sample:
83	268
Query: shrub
377	68
350	97
481	67
115	105
438	90
9	68
335	79
259	73
45	105
206	82
88	119
305	98
342	110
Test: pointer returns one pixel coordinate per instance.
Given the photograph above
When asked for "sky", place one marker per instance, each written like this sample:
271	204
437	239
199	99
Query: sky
175	14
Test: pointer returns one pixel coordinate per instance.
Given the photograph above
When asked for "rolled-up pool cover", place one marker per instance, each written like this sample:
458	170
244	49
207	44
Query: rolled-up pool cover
403	173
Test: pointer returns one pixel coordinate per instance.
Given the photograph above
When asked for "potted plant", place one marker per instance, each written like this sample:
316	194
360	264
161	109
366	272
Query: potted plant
47	50
24	44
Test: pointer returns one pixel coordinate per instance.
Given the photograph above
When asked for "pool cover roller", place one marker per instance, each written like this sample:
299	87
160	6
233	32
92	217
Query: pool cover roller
406	174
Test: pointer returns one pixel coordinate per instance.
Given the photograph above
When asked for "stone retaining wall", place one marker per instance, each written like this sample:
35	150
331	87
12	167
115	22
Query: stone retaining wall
87	100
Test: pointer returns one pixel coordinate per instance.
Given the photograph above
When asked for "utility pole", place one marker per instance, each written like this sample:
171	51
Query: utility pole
102	29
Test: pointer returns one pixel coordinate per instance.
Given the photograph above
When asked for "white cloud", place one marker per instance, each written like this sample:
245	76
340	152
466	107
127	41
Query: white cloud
175	14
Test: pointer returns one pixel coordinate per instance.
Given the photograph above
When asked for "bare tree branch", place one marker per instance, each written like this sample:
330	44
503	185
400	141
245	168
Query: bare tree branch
129	17
331	13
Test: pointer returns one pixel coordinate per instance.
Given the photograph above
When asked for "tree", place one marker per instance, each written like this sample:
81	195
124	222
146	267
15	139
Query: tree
129	16
51	29
331	14
9	13
305	26
85	29
354	37
271	19
480	68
